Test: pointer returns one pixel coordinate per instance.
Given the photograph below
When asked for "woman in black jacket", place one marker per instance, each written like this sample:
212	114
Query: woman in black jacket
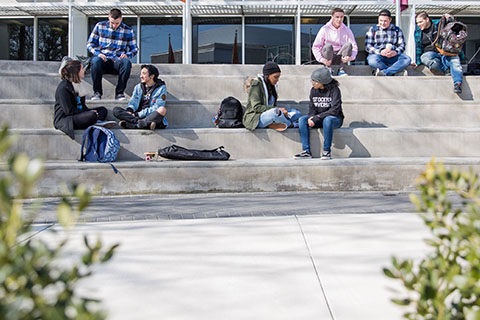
70	110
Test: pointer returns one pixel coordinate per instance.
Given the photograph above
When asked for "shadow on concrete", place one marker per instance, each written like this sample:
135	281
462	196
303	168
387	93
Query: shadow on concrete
365	124
466	94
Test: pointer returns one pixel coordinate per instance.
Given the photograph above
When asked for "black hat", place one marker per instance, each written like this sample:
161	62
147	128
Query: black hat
270	67
385	13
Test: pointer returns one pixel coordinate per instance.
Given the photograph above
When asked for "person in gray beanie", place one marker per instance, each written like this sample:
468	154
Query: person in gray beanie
324	111
262	110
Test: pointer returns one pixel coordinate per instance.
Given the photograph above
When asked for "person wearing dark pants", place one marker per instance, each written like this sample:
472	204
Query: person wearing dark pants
99	67
71	111
146	108
112	43
325	111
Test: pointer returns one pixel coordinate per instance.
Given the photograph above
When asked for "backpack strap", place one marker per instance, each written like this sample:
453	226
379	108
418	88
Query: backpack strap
85	134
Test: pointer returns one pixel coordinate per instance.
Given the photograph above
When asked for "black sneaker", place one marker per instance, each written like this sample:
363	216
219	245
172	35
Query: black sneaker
326	155
457	88
120	97
303	155
126	125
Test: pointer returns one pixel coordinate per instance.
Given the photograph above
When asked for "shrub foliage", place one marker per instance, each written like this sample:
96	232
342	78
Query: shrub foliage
446	283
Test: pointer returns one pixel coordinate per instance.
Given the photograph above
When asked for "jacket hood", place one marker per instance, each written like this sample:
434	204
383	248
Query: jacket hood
330	26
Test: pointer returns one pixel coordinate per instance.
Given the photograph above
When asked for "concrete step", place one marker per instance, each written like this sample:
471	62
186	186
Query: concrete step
51	144
373	174
216	69
38	114
291	87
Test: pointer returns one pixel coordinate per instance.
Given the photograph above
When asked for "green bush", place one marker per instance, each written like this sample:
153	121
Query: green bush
32	284
446	283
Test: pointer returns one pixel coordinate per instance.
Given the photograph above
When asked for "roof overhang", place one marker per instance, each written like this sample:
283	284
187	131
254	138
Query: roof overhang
226	7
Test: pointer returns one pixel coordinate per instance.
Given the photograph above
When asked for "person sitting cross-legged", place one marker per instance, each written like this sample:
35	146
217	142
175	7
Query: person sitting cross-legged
324	111
146	108
262	110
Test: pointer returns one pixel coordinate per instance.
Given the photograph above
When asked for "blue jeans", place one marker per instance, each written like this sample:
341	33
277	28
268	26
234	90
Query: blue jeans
122	67
434	60
270	116
390	66
329	123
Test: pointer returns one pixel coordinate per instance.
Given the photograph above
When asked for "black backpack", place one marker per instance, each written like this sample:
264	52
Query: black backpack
230	114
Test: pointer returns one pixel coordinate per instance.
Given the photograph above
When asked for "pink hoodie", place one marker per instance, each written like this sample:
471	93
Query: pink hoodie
336	37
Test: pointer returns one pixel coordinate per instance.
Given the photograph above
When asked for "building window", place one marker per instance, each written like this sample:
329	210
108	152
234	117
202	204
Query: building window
16	39
213	40
52	39
154	35
360	26
472	45
269	38
309	29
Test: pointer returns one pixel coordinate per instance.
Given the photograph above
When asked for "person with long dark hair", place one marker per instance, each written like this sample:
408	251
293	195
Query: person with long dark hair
324	111
70	109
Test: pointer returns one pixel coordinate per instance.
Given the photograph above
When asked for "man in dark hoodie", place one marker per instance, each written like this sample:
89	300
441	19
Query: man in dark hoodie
146	108
324	111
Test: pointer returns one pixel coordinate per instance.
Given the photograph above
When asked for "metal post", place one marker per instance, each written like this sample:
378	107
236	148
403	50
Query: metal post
187	33
243	39
35	38
298	40
139	42
398	14
70	29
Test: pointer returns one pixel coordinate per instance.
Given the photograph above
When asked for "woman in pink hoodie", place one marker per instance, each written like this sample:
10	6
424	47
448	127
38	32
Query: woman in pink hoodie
335	43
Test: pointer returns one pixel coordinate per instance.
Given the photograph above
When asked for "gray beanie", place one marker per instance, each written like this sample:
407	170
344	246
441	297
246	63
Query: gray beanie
322	75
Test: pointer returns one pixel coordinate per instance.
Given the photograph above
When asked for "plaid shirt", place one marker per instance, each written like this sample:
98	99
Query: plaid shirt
112	43
377	38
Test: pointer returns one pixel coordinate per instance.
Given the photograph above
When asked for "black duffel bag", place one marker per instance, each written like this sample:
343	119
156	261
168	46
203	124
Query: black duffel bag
175	152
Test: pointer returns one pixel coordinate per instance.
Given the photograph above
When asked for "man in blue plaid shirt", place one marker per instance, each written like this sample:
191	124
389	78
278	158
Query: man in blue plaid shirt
112	43
385	45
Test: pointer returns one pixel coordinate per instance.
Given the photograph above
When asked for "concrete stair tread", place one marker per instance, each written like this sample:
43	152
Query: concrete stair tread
67	164
269	175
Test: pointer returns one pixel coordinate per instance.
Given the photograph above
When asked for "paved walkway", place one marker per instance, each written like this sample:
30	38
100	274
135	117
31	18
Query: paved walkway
263	263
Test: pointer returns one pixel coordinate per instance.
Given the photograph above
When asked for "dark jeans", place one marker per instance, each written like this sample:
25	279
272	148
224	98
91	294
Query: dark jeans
123	114
88	118
122	67
329	123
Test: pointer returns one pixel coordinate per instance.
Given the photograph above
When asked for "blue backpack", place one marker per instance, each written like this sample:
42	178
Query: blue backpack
102	145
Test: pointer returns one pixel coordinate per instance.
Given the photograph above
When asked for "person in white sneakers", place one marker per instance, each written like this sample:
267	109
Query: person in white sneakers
70	111
335	43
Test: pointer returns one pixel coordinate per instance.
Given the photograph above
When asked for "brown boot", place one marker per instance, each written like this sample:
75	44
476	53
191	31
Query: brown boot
278	126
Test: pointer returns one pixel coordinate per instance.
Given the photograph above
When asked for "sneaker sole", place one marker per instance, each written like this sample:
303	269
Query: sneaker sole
278	126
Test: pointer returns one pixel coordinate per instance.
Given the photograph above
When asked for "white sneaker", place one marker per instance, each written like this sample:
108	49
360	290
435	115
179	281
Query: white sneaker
96	96
106	124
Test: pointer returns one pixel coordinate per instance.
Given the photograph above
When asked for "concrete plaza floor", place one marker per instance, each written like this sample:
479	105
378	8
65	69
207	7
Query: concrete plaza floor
316	266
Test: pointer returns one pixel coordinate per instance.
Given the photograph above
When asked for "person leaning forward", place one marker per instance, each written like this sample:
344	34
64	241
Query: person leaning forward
262	110
426	53
146	108
385	44
335	43
112	43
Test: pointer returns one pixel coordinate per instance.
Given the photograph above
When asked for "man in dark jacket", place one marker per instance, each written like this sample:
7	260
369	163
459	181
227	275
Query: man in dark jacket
426	53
